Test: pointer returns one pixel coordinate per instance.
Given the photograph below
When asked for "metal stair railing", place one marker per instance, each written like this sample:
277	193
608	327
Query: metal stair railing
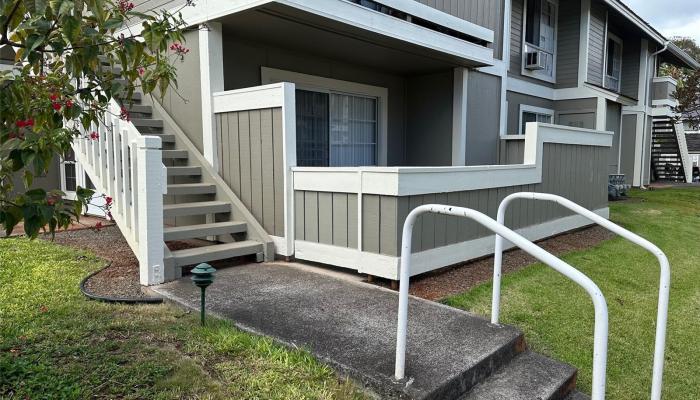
664	281
128	166
600	340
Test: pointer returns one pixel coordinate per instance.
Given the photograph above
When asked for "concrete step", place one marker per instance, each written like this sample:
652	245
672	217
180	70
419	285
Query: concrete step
203	230
216	252
196	208
172	154
528	376
147	122
578	396
140	109
184	171
191	188
135	98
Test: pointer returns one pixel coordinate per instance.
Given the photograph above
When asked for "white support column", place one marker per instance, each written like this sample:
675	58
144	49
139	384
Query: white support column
289	156
211	69
459	117
151	186
600	115
583	42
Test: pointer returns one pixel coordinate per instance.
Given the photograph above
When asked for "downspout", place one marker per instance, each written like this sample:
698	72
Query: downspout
647	89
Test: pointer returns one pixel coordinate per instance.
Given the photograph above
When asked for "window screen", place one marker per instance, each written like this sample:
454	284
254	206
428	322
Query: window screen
312	129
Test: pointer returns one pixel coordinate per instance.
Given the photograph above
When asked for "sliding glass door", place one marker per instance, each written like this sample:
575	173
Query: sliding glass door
336	129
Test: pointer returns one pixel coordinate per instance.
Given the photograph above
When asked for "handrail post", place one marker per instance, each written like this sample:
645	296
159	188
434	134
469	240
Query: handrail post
150	209
600	339
664	280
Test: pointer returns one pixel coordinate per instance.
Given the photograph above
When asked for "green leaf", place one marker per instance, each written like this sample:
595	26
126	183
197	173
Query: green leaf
113	23
28	178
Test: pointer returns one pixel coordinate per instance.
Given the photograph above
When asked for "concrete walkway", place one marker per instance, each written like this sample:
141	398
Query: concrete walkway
352	326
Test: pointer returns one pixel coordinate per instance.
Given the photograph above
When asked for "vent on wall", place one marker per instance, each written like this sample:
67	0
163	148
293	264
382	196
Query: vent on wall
373	5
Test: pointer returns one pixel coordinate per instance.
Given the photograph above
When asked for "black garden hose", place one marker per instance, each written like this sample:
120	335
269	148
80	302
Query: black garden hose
108	299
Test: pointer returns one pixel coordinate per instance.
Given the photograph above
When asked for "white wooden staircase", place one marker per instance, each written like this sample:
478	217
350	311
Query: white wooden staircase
199	218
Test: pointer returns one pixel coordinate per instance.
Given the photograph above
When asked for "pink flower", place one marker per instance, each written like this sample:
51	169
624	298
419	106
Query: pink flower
108	200
53	96
56	106
98	225
94	135
124	114
69	103
142	71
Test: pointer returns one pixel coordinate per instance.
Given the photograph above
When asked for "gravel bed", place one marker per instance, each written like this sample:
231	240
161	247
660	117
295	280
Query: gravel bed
462	277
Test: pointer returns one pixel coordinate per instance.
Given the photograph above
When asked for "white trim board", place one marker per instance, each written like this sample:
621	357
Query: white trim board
406	181
353	15
385	266
252	98
323	84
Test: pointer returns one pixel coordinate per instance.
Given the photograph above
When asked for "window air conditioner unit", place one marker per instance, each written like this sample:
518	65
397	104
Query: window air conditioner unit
535	60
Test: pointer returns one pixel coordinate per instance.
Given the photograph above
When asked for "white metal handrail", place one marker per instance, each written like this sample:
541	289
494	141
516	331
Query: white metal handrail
128	166
664	281
600	341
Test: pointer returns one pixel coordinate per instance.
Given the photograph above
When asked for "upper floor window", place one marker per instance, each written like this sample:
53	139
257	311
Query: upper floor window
613	63
539	39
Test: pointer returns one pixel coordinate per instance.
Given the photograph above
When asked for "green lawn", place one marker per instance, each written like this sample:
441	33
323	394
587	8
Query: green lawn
557	316
54	343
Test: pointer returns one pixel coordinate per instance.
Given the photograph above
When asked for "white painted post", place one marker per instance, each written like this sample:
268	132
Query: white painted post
211	69
126	171
459	116
664	280
289	160
150	207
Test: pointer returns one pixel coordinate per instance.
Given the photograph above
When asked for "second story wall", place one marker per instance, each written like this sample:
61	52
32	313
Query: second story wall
487	13
596	44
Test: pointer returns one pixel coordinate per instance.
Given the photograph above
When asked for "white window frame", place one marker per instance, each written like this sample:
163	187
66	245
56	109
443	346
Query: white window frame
611	36
537	74
325	85
535	110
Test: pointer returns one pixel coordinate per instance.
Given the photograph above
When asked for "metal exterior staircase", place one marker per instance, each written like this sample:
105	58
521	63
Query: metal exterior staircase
668	153
195	210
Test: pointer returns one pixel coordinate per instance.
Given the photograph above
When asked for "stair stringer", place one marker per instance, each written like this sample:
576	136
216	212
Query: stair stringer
683	149
224	192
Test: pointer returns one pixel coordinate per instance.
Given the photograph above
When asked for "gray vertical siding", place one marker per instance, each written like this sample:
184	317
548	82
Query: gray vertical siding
629	83
629	140
573	171
483	106
487	13
580	113
568	35
516	36
250	162
331	218
612	123
596	44
511	151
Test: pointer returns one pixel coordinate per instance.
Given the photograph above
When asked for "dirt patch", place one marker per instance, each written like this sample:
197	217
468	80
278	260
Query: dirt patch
462	277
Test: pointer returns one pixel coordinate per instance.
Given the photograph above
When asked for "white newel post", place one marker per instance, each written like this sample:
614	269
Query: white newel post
151	185
211	69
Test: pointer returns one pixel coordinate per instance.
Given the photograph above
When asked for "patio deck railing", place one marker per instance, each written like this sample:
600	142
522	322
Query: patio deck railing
352	217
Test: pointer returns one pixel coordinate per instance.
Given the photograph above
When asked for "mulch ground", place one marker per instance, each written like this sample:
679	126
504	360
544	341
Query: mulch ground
462	277
121	278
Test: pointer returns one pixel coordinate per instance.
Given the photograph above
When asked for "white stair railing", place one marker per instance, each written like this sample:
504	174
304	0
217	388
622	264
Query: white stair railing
128	166
600	338
683	150
664	280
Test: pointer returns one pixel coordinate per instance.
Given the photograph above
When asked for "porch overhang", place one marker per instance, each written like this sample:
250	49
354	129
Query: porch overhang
466	46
